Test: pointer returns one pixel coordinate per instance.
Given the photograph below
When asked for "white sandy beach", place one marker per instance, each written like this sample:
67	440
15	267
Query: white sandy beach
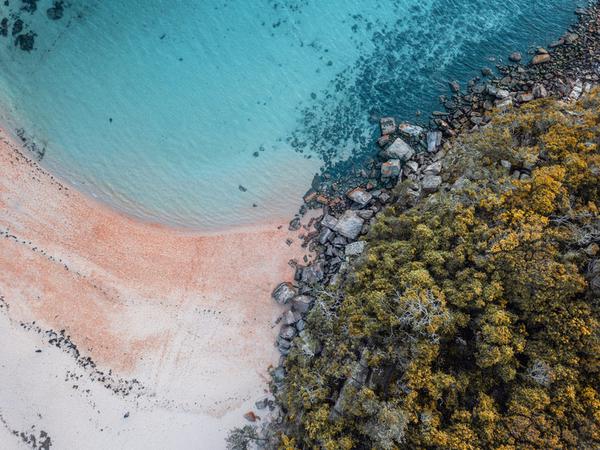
180	326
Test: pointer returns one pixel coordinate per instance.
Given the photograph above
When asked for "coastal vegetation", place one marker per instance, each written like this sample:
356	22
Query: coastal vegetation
471	320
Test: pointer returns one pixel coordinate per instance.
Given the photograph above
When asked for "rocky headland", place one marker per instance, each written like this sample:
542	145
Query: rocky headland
409	167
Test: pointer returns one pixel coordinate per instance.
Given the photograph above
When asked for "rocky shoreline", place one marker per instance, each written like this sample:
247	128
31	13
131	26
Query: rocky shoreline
409	167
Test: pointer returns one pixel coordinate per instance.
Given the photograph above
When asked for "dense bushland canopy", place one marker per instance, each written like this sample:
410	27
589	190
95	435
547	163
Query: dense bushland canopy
472	322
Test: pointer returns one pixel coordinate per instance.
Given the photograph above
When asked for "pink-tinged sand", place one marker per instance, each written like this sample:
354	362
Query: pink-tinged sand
188	315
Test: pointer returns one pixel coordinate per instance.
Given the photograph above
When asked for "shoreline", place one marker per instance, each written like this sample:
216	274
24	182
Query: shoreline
20	142
409	168
125	281
173	323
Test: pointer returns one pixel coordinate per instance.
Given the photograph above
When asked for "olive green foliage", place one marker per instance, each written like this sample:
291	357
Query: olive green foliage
470	323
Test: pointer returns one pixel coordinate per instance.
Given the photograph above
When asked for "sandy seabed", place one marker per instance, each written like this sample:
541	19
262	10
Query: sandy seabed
116	333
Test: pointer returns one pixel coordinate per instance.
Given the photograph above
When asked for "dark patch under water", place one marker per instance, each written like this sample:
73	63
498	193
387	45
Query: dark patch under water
405	59
400	77
17	17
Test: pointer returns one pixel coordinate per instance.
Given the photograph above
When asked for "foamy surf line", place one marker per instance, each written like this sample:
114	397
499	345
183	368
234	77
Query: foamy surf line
122	333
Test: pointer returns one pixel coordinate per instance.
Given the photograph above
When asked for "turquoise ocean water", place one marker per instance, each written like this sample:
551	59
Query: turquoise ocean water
214	113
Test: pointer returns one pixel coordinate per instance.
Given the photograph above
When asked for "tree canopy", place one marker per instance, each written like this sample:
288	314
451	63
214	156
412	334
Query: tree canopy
472	321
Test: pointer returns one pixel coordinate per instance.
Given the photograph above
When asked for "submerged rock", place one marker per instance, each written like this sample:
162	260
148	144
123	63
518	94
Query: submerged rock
455	86
56	11
515	57
25	41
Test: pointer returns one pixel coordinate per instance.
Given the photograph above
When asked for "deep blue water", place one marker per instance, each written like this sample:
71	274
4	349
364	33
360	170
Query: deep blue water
215	113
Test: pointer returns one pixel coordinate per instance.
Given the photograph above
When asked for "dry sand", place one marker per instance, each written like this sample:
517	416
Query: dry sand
180	326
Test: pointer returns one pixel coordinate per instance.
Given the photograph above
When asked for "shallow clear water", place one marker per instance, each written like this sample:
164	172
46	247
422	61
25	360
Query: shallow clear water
216	113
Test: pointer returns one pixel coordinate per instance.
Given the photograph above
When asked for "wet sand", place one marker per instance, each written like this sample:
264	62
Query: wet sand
179	326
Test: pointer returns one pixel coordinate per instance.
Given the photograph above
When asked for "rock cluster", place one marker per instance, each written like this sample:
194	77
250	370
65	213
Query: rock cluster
410	161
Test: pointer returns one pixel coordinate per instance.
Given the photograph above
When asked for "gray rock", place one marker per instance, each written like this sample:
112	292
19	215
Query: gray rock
278	374
287	332
300	325
431	183
576	91
283	346
340	241
539	91
302	303
329	221
284	293
400	150
506	164
295	224
479	88
501	94
388	125
433	169
291	317
570	38
460	184
383	140
492	90
455	86
411	130
358	377
525	177
391	168
325	235
486	72
515	57
360	196
262	404
413	166
349	225
384	197
434	140
313	273
366	214
355	248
